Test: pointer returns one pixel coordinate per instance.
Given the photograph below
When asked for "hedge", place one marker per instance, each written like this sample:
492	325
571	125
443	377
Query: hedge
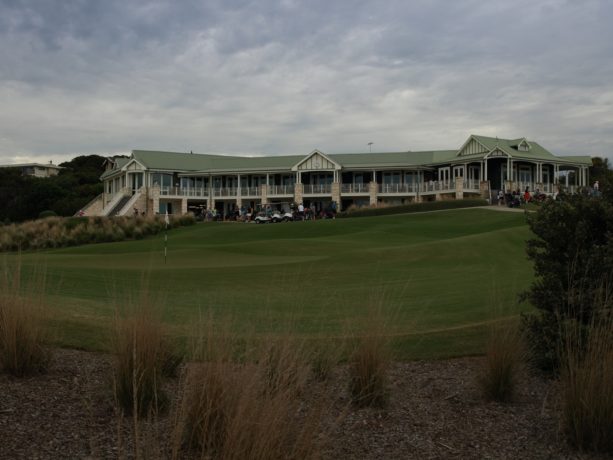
413	207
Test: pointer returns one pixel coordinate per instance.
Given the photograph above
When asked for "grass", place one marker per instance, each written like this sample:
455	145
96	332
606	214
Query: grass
22	324
504	354
142	359
438	272
235	406
587	391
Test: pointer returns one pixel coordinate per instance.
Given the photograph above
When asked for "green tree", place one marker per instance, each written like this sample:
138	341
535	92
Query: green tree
573	262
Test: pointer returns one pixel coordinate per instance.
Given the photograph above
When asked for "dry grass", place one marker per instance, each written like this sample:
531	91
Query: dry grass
142	359
504	355
587	385
370	360
22	319
246	406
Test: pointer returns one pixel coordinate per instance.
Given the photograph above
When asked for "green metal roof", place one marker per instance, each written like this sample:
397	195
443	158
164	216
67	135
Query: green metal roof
204	163
536	152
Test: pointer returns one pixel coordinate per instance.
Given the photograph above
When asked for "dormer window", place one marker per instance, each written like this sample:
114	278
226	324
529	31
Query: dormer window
523	146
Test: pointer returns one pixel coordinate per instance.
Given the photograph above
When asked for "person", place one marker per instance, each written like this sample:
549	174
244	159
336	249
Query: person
81	213
301	211
135	212
596	186
500	197
527	196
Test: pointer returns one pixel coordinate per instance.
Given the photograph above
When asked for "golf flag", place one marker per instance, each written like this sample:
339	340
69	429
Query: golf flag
166	219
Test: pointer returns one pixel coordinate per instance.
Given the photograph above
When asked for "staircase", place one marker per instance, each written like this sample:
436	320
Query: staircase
119	206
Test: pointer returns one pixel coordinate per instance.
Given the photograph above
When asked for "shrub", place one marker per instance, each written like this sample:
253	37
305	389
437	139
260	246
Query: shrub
45	214
55	232
384	210
22	330
503	357
587	390
141	355
572	259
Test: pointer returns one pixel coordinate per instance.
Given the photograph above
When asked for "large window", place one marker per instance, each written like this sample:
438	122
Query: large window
161	179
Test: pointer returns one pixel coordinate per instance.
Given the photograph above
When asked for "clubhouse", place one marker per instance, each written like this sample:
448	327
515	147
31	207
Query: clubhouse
156	182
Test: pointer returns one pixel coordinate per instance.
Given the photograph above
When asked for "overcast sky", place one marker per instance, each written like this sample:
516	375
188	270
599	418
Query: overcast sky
286	77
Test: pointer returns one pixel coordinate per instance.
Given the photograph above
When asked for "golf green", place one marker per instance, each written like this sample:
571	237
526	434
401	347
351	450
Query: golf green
439	278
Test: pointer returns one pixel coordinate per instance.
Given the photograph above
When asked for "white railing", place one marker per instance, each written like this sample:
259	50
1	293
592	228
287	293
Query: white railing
471	185
437	186
396	188
354	188
184	191
310	189
280	189
225	191
250	191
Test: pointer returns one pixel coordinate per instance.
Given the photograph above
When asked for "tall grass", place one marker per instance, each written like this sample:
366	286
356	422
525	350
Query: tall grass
504	356
587	384
54	232
237	405
22	324
369	362
143	358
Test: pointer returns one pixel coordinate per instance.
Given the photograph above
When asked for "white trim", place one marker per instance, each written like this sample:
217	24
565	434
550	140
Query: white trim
313	153
471	137
133	160
490	154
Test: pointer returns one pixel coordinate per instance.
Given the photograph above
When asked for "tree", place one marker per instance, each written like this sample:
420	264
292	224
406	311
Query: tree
24	197
573	262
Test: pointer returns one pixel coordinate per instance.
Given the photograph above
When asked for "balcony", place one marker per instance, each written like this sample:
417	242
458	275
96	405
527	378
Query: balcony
225	192
354	189
285	190
201	192
322	189
397	189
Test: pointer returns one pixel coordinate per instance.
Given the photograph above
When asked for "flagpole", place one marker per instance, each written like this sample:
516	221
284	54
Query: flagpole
166	237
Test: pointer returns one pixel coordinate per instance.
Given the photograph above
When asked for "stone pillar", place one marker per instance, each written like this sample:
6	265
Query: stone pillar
484	189
264	192
155	198
508	185
372	191
459	188
336	193
183	205
298	192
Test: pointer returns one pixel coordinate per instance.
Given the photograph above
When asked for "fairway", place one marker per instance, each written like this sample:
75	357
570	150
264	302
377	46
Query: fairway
439	278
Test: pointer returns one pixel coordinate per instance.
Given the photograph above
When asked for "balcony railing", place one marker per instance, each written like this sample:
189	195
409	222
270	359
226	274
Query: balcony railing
322	189
281	189
250	191
354	188
397	188
471	185
225	191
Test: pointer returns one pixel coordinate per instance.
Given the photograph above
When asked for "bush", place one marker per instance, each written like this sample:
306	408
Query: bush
571	252
54	232
411	208
368	366
45	214
22	330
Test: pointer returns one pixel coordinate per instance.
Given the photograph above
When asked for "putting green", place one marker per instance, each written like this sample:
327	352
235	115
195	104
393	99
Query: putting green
439	278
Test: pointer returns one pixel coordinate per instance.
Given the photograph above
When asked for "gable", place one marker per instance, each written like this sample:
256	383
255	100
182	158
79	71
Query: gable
497	153
314	161
472	147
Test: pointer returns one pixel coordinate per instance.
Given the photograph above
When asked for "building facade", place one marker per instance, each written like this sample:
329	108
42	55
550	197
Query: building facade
36	169
153	182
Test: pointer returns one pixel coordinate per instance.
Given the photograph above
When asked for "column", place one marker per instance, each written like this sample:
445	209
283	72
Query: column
373	189
239	199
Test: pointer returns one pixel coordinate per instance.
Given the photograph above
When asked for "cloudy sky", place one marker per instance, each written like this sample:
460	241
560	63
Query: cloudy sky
288	76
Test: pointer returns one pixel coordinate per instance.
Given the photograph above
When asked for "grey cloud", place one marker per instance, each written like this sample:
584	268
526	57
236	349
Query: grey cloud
288	76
